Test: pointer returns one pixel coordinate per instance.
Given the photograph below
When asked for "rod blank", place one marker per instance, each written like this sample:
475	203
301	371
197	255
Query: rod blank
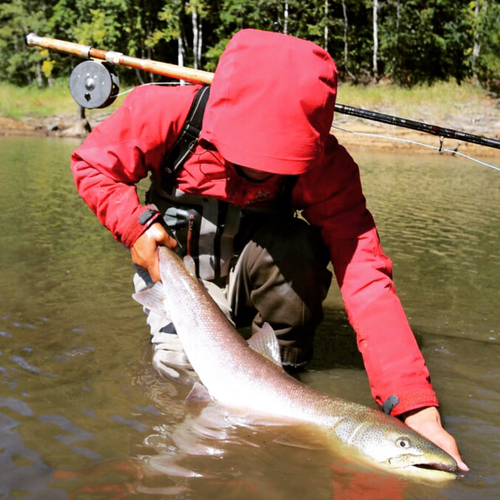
420	126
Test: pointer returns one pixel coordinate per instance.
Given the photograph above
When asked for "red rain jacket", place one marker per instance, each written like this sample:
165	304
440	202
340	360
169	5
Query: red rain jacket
278	125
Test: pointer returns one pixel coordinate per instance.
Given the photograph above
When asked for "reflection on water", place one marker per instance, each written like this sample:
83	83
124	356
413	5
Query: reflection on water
83	415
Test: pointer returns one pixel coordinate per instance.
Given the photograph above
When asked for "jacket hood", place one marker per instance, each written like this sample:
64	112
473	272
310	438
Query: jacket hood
271	102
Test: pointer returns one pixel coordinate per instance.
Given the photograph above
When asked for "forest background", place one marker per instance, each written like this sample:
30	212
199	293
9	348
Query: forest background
446	52
408	42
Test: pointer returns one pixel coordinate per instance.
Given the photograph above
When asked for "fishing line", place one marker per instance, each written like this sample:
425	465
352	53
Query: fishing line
430	146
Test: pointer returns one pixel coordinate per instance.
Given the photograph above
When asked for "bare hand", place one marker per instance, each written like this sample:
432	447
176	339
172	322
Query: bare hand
145	250
427	422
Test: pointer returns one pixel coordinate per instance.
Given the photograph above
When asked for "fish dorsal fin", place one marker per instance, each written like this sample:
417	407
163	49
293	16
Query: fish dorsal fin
153	299
266	344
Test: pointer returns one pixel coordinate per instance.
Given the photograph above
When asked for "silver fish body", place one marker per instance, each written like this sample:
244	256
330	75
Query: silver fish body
242	379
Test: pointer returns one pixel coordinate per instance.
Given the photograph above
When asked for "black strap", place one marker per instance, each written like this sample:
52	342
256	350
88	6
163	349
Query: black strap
188	138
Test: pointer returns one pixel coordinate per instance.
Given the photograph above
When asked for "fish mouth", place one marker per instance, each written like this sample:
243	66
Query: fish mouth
438	466
444	468
429	472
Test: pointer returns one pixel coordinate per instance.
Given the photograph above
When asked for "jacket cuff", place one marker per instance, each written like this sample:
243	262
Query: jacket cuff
140	222
398	404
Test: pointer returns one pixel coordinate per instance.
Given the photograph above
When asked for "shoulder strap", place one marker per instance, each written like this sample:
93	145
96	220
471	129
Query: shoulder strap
188	138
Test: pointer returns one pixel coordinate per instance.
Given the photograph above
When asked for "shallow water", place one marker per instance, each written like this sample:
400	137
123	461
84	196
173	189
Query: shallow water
83	415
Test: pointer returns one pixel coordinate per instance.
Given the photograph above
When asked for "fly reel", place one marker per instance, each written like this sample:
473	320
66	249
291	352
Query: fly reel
94	85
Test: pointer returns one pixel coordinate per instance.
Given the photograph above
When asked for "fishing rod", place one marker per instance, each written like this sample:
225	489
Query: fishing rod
420	126
96	85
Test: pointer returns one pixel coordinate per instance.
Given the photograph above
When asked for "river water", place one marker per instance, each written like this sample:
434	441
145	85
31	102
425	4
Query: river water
83	415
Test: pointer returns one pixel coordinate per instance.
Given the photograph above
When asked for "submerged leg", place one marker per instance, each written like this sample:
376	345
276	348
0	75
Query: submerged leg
169	359
281	278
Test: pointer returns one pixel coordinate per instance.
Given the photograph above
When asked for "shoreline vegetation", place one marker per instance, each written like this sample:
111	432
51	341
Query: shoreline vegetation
465	107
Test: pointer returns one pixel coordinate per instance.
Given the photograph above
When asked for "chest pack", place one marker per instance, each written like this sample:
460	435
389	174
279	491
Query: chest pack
211	231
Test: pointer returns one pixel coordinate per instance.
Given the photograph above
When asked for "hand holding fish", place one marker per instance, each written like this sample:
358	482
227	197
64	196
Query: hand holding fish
145	250
427	422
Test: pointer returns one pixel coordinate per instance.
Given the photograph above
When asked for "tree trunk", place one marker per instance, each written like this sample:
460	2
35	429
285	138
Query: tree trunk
180	55
200	42
180	51
285	22
396	47
196	53
375	39
38	75
325	46
476	49
346	43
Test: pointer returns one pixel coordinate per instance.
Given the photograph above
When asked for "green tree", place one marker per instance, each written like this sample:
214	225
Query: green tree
119	25
426	40
231	16
351	42
181	25
416	40
23	65
487	62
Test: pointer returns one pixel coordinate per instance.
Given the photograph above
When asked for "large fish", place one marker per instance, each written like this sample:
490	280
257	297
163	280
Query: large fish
247	378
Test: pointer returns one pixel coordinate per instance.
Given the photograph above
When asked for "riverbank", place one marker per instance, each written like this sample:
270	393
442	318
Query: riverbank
465	108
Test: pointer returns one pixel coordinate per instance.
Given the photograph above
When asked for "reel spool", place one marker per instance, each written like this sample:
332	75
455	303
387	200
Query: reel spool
94	85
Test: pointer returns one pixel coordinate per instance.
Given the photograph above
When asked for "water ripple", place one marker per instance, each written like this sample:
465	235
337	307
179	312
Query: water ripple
16	405
24	364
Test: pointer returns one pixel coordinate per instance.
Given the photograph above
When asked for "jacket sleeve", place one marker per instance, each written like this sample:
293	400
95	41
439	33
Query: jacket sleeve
123	149
331	198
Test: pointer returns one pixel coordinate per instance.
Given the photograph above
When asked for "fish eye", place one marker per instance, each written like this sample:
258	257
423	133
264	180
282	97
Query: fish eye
403	443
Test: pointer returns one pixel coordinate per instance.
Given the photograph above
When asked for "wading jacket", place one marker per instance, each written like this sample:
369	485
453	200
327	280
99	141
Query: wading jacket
133	142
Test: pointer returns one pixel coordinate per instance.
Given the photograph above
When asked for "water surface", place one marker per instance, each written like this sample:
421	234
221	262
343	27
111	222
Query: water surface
84	416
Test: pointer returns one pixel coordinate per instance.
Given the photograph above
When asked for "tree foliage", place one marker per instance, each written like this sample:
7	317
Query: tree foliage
416	40
488	61
427	41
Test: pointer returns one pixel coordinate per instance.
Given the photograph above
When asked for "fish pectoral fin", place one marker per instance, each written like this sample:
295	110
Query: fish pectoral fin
266	344
307	440
198	394
153	299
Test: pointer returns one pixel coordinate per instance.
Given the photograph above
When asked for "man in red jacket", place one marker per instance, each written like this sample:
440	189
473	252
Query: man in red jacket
265	153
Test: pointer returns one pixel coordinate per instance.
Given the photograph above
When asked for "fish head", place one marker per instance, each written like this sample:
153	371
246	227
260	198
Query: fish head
389	444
